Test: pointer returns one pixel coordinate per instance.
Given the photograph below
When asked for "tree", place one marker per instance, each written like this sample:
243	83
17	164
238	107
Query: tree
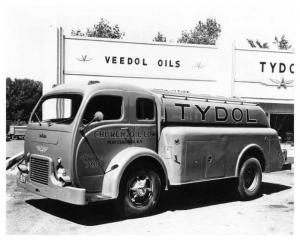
258	43
282	43
103	29
21	97
159	38
204	33
251	42
262	45
77	33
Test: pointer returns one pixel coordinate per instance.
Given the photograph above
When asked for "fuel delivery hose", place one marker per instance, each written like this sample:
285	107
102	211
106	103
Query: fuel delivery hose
14	160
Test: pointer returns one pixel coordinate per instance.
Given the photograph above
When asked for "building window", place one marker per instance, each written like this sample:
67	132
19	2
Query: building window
110	106
145	109
284	125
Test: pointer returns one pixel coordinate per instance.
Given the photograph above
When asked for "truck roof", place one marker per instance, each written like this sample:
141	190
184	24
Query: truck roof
94	86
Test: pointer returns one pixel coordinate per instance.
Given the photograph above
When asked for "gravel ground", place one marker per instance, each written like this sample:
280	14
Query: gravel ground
208	208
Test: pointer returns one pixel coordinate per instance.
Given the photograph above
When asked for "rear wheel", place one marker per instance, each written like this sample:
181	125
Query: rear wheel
139	192
250	177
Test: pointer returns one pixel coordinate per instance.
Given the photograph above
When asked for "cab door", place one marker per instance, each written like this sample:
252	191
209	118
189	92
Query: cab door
143	115
102	140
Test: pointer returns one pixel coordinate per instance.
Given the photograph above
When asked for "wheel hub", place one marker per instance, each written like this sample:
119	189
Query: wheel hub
140	190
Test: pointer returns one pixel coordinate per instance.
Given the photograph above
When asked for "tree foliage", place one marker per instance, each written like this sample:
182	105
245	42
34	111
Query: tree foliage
258	43
282	43
262	45
103	29
204	33
21	97
159	38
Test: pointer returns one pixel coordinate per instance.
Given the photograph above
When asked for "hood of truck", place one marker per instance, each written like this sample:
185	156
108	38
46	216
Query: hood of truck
50	142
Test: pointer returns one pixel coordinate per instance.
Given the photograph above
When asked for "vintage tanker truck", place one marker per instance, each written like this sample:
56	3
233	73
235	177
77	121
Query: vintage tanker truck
118	141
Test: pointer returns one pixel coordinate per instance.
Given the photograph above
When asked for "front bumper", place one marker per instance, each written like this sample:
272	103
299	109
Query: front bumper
66	194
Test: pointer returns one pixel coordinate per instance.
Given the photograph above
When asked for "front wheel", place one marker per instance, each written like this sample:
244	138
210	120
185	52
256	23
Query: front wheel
139	192
250	177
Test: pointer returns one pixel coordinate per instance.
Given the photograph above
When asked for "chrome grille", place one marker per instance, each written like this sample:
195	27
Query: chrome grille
39	170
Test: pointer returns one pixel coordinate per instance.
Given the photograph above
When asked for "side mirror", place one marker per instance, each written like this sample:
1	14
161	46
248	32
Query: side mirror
98	117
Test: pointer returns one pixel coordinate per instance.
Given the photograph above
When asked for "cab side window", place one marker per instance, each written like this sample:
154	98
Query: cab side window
145	109
110	106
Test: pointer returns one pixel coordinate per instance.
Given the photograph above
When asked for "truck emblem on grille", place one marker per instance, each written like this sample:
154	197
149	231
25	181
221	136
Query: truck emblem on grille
42	135
41	148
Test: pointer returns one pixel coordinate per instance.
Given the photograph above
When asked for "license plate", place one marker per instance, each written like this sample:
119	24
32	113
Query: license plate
22	178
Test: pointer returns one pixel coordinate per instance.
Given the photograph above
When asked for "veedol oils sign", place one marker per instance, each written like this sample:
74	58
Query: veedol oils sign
264	73
98	57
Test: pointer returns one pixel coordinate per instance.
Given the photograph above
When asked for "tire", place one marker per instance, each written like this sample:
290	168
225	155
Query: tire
139	192
249	180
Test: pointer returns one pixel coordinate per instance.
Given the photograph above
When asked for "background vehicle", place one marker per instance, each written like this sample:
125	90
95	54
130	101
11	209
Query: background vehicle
17	132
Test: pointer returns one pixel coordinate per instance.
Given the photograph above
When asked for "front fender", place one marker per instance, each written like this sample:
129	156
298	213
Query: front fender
112	178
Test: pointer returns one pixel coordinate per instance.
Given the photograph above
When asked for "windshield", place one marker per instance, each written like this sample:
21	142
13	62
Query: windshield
57	109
